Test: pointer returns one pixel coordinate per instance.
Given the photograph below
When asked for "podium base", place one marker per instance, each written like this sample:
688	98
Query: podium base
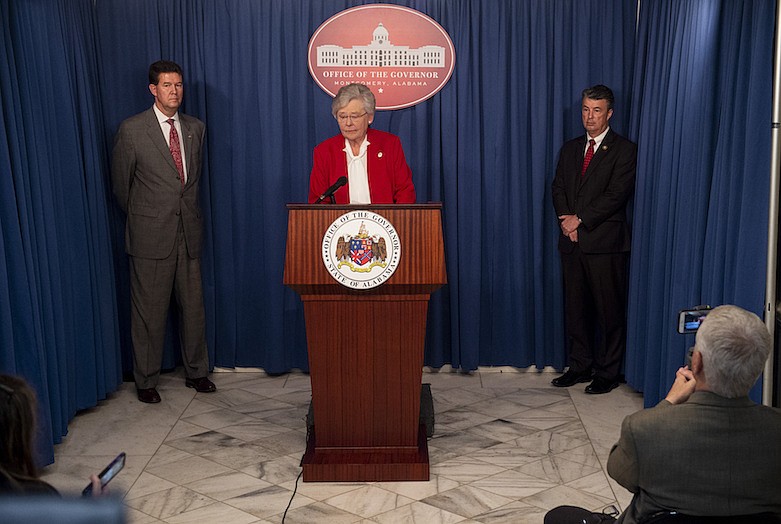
366	464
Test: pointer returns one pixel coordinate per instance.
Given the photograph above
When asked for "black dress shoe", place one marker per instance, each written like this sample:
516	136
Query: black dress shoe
570	378
149	395
201	385
601	385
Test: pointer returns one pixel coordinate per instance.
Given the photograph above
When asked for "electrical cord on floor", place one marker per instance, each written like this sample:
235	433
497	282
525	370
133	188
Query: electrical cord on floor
291	497
301	465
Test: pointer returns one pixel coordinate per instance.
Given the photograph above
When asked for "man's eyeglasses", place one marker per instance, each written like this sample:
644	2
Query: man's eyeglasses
344	118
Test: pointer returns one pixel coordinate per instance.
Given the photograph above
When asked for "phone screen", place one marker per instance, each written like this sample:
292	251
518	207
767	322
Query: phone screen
108	473
689	320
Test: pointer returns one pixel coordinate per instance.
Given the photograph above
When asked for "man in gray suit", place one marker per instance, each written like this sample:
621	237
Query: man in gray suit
156	172
706	449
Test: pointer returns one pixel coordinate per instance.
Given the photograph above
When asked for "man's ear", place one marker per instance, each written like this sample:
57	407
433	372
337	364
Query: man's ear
696	362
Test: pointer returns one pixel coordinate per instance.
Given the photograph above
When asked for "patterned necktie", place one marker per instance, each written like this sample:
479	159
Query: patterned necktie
587	158
176	150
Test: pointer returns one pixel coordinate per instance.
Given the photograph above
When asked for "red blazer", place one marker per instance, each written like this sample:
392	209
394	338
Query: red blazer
390	178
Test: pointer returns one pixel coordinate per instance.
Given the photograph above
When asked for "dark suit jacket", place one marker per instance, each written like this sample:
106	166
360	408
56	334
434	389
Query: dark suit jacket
708	456
600	197
390	178
146	184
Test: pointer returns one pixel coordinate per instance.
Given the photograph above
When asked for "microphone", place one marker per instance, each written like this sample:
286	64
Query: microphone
329	193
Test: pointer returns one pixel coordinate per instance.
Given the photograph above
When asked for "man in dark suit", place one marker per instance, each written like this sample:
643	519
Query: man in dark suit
706	449
156	172
595	178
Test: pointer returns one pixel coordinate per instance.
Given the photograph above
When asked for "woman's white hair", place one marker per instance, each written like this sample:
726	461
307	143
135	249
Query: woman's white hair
351	92
734	344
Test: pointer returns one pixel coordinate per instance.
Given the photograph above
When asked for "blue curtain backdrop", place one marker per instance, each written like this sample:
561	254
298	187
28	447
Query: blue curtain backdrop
58	320
485	146
702	103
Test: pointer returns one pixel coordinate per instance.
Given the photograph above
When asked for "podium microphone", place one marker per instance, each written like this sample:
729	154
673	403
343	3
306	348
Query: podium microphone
329	193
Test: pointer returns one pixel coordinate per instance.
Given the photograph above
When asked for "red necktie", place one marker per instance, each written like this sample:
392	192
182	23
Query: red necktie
176	150
587	158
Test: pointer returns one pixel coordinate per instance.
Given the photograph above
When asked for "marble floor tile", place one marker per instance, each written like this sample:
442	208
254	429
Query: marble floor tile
188	470
501	407
465	470
369	501
147	484
277	471
218	418
507	446
227	485
269	501
170	502
462	442
321	491
217	512
318	512
513	484
467	501
539	418
558	470
513	513
420	490
136	517
500	430
508	455
418	513
595	483
230	398
205	442
561	495
458	419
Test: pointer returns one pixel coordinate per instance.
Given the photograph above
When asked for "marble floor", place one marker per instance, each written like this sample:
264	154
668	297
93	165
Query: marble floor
507	446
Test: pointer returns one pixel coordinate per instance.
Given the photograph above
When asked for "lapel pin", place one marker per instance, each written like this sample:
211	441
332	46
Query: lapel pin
604	148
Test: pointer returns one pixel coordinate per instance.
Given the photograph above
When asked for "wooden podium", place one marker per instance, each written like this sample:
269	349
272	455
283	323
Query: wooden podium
366	346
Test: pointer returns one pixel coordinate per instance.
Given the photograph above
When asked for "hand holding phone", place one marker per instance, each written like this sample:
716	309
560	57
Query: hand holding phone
107	474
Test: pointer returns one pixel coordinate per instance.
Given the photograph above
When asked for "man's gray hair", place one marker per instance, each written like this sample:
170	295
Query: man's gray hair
351	92
734	344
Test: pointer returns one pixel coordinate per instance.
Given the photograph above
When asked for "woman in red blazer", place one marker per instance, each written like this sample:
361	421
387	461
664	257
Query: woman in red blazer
372	161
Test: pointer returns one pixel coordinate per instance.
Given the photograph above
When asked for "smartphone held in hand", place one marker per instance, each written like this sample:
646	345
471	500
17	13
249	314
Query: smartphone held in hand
108	473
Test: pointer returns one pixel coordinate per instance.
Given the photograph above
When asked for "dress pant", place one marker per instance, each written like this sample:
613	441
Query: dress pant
151	284
595	294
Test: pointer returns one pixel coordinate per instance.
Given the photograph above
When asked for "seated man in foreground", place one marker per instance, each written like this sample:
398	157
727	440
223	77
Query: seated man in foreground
706	449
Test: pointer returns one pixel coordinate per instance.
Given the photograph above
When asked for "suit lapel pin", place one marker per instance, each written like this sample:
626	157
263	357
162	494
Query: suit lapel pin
604	148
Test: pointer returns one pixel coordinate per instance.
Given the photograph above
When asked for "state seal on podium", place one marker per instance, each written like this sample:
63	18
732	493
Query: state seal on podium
361	249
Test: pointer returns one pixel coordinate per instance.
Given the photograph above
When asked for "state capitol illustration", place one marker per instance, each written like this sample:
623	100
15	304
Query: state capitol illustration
380	53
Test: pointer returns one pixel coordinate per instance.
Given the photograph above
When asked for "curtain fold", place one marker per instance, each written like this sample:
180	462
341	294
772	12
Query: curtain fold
702	98
60	329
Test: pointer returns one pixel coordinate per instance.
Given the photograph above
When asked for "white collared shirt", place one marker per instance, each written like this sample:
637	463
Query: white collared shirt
598	139
165	127
357	173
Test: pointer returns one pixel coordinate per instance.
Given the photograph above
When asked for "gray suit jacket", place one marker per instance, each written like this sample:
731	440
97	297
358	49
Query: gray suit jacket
146	184
708	456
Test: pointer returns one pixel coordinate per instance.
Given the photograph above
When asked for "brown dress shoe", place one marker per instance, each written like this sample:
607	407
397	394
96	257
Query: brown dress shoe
149	395
201	385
